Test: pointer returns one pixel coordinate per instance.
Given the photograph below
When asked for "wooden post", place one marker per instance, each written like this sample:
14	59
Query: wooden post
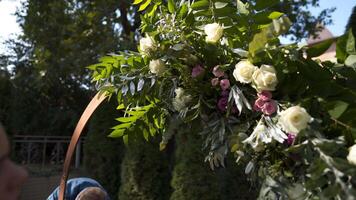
29	145
57	153
44	152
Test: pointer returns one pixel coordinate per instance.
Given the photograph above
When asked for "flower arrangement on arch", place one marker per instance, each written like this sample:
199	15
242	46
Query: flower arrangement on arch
218	65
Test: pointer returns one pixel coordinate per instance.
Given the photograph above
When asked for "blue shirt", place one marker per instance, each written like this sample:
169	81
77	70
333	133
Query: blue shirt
74	187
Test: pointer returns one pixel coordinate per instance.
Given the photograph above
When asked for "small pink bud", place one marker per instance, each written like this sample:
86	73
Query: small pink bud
215	81
269	107
197	71
218	72
225	84
265	95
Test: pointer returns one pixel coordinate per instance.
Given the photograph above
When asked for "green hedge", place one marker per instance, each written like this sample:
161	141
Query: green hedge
192	178
103	155
145	172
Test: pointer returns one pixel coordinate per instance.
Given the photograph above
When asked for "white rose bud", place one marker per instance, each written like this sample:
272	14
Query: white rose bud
352	155
265	78
181	100
214	32
157	66
147	45
243	71
294	119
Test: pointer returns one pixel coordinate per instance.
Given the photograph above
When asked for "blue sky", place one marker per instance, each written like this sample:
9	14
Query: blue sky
9	27
340	16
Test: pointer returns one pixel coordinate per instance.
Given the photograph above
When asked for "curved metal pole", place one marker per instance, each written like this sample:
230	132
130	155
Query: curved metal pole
94	103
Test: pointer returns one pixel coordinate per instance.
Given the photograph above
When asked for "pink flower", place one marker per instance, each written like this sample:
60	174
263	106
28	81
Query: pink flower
197	71
222	104
290	140
225	84
259	103
215	82
218	72
265	95
269	107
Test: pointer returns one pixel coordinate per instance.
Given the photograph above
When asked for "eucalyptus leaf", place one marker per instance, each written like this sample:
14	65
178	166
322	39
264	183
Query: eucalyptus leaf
124	90
132	88
140	84
249	167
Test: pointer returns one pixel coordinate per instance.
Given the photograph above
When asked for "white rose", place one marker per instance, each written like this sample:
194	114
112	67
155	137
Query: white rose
352	155
214	32
294	119
157	66
181	100
243	71
147	45
265	78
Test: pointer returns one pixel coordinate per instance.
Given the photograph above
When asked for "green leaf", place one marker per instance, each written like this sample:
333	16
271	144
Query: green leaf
137	2
144	6
337	108
341	53
183	11
275	15
126	119
259	41
319	48
350	45
263	4
242	8
200	5
117	133
171	6
219	5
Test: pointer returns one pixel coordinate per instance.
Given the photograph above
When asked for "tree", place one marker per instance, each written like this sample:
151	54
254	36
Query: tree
298	11
60	38
351	24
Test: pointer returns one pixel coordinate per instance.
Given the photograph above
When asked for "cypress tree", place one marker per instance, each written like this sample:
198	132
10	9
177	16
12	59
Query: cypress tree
192	178
103	155
145	171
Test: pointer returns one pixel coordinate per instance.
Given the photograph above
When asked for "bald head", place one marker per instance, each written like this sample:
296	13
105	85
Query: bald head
91	193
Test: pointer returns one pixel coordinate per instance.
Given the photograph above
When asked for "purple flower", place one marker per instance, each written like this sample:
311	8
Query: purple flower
225	84
215	81
290	140
218	72
269	107
222	104
265	95
225	93
197	71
